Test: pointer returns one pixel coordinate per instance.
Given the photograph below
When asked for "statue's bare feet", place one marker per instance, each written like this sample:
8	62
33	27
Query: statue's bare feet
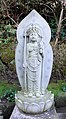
38	94
30	94
43	92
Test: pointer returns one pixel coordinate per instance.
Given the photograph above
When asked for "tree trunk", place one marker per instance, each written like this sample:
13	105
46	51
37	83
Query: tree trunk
59	26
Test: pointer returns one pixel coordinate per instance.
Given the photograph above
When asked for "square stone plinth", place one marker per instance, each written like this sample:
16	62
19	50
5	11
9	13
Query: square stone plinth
50	114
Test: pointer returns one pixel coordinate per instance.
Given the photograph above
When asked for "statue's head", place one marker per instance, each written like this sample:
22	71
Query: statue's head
33	33
33	36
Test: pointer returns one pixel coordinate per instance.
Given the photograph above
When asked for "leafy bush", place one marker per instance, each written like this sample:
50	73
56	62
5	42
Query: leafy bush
57	88
7	91
9	96
53	26
7	34
59	64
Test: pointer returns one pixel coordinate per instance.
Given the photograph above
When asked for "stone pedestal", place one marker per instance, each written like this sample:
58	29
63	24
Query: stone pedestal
34	104
50	114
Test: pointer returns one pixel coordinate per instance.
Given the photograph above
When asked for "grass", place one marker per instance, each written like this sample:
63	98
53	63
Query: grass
59	91
58	88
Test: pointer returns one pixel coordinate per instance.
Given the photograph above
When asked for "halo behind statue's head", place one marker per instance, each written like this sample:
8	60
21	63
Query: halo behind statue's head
42	27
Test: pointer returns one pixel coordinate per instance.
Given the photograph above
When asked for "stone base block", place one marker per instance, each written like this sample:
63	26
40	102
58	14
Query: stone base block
49	114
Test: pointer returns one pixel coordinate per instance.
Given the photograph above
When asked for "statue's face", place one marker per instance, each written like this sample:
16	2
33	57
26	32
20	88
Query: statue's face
33	36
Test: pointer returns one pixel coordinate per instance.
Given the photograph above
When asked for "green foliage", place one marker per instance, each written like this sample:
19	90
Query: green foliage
50	10
8	28
7	91
64	88
57	88
7	34
53	26
5	41
54	88
9	95
63	32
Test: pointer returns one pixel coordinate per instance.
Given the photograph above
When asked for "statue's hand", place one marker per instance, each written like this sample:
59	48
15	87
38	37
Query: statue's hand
39	58
24	65
41	52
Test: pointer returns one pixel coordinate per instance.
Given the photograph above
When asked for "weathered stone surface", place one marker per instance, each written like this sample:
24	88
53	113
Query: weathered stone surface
34	105
1	116
62	116
34	59
50	114
40	28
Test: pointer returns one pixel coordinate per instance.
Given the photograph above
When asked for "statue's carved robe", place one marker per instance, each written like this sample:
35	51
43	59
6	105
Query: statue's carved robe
34	66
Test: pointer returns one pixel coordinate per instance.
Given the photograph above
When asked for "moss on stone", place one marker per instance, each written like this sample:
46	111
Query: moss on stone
8	54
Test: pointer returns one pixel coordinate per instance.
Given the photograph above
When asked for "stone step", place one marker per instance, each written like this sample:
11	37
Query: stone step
1	116
61	115
61	110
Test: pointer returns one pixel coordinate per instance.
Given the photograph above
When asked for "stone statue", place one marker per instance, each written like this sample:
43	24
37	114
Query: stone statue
34	58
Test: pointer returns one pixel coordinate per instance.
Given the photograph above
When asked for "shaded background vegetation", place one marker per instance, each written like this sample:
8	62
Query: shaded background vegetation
11	13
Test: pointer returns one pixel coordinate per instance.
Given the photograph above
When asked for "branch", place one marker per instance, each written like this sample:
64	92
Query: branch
52	12
12	20
59	26
63	19
63	26
64	41
8	13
